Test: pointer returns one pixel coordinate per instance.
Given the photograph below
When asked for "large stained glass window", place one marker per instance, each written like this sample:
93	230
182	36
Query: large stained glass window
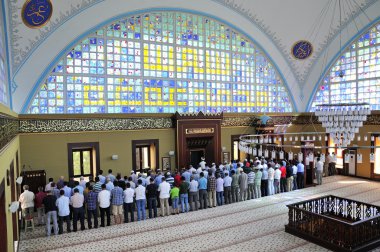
162	63
3	83
355	77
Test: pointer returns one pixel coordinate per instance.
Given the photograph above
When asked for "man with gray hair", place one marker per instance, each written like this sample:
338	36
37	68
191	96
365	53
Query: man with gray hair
27	203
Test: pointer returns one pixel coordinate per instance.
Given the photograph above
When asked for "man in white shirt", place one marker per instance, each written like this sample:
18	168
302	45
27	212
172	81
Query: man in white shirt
77	201
277	177
27	203
270	179
104	200
140	200
82	182
63	204
48	185
319	171
164	189
295	169
202	163
219	189
128	205
193	194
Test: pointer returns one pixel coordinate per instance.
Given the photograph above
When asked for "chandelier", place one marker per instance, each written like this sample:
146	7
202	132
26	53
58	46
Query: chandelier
343	120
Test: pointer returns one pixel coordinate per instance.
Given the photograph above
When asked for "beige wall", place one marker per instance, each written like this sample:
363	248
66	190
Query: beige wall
49	151
7	155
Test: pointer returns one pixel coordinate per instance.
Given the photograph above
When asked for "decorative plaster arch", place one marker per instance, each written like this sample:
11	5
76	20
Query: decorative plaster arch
333	51
32	73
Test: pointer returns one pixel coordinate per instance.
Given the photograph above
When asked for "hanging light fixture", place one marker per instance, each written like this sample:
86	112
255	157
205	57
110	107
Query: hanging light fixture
342	121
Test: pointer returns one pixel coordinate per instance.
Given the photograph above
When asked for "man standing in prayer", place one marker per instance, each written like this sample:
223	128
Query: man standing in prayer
129	206
77	201
258	176
243	185
219	189
63	204
91	201
38	204
202	191
211	189
227	181
164	189
111	176
235	186
270	178
251	184
50	212
104	200
102	179
117	202
319	171
151	191
140	200
300	175
27	203
193	194
184	187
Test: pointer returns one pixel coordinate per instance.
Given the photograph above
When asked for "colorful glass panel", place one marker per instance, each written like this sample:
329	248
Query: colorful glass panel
163	62
355	76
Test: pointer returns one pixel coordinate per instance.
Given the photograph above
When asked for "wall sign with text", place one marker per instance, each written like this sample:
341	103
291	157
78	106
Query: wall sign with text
36	13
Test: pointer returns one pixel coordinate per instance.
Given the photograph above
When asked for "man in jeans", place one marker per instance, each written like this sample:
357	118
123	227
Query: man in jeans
140	200
117	202
193	194
50	212
151	193
183	194
219	189
203	191
91	199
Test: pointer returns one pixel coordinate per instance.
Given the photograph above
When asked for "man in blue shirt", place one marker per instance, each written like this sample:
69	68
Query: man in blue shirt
187	175
203	191
300	175
117	202
79	187
63	204
91	200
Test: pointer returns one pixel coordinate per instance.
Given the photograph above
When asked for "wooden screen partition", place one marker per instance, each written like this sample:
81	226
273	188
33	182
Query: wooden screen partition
198	133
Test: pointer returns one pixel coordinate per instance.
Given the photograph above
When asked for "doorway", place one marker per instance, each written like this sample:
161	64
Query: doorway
196	156
83	159
145	155
3	218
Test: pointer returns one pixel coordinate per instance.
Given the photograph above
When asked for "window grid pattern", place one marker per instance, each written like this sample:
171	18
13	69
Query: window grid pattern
163	62
3	82
360	66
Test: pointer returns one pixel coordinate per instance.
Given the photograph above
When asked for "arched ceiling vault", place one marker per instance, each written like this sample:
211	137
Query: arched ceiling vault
275	25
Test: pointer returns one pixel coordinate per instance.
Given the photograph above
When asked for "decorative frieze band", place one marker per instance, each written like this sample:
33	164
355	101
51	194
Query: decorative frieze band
9	128
93	124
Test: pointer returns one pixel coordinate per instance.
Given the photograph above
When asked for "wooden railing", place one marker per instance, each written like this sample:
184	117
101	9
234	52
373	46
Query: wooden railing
336	223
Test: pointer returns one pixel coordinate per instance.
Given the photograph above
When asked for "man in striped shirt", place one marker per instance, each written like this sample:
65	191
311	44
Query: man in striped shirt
251	184
98	185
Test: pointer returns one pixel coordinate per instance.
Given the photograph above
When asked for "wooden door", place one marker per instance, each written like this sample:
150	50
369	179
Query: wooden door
3	219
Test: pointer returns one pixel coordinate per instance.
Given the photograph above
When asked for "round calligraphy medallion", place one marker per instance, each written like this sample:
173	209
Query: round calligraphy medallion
302	49
36	13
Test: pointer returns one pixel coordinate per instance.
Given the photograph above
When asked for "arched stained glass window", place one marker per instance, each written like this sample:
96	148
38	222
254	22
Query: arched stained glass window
355	77
163	62
3	83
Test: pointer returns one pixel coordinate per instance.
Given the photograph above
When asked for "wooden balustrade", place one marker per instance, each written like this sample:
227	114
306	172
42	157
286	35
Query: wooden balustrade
336	223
